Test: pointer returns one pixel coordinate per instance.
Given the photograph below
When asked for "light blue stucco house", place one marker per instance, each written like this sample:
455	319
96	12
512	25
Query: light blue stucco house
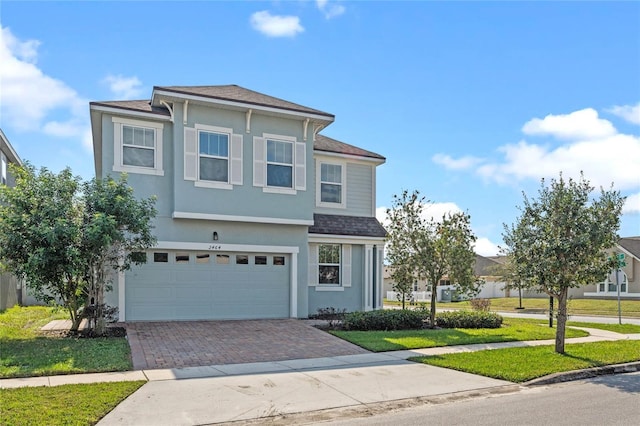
259	215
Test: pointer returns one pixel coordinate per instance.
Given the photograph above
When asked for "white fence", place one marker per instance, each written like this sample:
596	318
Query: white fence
416	296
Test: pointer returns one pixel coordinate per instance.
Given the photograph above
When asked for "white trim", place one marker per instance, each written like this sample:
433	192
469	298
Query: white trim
214	129
373	191
118	145
343	184
233	218
185	113
345	239
293	309
242	105
612	294
355	158
279	190
248	120
214	247
124	111
368	277
281	138
212	184
379	277
329	287
166	105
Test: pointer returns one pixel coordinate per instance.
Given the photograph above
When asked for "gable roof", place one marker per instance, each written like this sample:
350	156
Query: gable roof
142	105
7	149
333	224
235	93
632	245
327	144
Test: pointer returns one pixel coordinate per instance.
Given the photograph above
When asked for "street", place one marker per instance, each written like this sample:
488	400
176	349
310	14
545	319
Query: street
607	400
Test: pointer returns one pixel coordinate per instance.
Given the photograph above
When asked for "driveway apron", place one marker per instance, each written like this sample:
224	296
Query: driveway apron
178	344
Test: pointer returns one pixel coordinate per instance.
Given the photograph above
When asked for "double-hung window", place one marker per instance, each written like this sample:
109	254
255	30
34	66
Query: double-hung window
279	163
137	146
330	189
329	264
214	156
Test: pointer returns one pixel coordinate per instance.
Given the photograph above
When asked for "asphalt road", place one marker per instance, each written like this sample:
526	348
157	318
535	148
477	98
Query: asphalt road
607	400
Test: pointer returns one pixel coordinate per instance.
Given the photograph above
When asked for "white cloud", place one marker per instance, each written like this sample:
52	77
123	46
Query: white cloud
632	204
583	124
276	25
612	159
29	95
124	87
631	113
330	10
484	247
461	163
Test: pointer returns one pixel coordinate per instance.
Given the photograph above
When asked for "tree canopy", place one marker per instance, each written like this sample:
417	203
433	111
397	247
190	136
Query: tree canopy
64	236
559	240
428	249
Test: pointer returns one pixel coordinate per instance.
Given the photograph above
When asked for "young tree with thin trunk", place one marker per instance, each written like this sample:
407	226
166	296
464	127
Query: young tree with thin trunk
559	241
431	250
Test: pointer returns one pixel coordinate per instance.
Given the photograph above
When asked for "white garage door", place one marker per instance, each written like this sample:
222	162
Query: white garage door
190	285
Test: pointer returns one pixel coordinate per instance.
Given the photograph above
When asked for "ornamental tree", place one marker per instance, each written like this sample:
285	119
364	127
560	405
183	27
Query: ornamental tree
559	241
65	237
428	249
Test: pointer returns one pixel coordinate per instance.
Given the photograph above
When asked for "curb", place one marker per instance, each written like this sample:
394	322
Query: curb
629	367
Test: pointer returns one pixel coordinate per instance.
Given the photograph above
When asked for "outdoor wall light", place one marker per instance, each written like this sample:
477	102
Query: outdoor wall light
215	236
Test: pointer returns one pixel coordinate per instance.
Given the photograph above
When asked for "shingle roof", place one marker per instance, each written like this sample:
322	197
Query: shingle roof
236	93
347	225
327	144
631	244
140	105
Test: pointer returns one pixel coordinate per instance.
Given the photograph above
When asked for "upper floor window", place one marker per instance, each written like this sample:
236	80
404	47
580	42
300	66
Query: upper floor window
279	164
330	190
214	156
3	169
137	146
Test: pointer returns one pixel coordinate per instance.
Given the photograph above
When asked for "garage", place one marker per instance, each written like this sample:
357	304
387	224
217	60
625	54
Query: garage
193	285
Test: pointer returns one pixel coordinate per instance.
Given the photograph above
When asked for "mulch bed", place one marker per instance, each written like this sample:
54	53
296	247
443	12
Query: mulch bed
111	331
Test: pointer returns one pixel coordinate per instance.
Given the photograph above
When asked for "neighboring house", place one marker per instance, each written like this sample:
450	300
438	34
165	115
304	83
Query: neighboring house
259	215
10	286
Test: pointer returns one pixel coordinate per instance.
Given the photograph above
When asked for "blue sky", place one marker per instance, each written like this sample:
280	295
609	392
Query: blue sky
471	102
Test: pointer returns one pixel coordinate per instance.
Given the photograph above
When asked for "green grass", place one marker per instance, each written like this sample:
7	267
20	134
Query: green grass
26	353
523	364
83	404
629	308
616	328
512	329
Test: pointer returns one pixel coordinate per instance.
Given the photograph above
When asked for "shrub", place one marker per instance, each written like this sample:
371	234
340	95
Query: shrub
480	304
394	319
330	314
468	319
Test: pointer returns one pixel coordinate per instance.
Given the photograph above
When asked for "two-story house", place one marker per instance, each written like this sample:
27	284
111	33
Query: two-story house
10	288
259	215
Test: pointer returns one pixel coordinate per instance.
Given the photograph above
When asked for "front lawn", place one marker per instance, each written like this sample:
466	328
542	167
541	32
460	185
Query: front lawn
512	329
523	364
26	352
83	404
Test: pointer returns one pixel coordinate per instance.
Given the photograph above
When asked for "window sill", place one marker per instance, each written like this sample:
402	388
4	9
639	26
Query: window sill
331	205
214	185
139	170
286	191
325	287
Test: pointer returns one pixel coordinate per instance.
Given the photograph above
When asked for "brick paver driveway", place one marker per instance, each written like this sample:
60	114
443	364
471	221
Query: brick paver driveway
177	344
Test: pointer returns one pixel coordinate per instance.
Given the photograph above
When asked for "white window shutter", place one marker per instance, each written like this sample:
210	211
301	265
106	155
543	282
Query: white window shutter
346	265
301	169
259	162
313	265
117	145
190	154
236	159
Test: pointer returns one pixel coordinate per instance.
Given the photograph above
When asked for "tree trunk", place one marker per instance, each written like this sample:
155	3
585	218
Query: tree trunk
520	296
562	320
432	314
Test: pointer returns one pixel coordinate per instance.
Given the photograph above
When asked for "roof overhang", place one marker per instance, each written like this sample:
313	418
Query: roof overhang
11	153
